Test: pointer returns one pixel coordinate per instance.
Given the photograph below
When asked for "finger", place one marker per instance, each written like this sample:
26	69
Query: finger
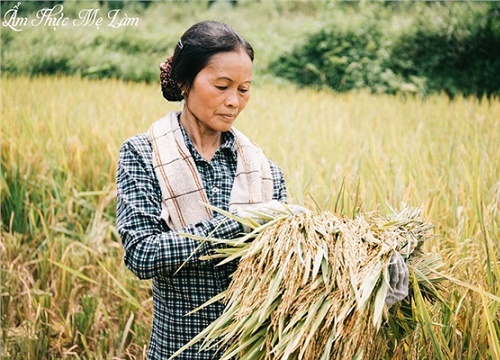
274	206
403	269
400	268
297	209
393	272
402	287
406	281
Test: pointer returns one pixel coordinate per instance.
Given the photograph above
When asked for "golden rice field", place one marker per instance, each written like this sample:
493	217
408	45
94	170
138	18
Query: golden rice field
65	293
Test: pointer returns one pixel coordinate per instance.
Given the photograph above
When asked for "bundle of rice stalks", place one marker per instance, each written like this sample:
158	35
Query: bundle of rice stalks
313	286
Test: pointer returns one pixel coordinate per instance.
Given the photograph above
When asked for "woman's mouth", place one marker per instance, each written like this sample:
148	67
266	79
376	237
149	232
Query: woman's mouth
228	117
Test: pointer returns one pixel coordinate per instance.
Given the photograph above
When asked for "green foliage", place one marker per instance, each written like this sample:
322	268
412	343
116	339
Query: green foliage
342	59
13	196
456	53
384	47
436	48
126	55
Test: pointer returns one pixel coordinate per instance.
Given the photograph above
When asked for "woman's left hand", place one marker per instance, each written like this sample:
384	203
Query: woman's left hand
399	280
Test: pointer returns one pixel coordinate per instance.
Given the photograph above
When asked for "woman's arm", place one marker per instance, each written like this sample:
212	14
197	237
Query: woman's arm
152	249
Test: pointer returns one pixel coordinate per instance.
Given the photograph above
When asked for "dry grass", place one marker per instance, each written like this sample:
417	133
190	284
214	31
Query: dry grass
65	292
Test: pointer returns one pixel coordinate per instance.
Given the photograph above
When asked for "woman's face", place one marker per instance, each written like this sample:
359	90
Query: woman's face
220	91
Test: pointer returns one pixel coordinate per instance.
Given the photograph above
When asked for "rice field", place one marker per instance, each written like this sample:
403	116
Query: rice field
65	293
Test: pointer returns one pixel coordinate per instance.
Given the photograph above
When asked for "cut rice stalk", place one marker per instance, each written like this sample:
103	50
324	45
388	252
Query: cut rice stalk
314	285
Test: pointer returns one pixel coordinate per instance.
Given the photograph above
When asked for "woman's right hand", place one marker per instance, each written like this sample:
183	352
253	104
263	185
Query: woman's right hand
264	212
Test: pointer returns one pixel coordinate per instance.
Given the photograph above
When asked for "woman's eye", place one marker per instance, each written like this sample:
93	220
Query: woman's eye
245	90
221	87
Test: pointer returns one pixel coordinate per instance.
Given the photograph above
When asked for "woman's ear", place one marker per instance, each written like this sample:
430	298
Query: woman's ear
184	90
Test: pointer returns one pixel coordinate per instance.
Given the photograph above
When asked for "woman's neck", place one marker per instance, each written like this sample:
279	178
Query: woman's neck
206	141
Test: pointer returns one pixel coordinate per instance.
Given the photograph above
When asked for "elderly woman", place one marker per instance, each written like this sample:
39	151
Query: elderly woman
188	159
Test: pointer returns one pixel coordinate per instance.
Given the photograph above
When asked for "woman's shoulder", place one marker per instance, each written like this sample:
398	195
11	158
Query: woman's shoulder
139	143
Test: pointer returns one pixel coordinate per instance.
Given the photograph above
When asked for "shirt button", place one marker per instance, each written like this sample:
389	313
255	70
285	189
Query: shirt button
215	190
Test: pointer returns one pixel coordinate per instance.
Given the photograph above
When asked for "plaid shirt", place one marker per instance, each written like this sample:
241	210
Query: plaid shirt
152	250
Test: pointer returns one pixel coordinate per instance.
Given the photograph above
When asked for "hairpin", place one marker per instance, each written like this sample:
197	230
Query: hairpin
180	45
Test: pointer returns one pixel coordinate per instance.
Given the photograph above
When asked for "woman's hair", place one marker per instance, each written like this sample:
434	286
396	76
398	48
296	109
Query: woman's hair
194	51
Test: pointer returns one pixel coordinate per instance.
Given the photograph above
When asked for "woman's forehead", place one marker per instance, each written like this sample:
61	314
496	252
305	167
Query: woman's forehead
233	65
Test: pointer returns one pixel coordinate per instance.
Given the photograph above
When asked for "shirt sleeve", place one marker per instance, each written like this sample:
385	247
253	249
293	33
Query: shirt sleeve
151	249
279	183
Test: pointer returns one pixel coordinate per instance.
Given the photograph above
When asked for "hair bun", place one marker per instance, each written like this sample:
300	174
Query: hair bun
169	87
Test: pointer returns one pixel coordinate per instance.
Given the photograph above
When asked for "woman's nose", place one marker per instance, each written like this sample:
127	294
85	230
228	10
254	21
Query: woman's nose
232	100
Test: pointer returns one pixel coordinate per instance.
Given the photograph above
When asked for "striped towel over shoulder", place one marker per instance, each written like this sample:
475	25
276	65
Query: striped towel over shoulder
183	195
